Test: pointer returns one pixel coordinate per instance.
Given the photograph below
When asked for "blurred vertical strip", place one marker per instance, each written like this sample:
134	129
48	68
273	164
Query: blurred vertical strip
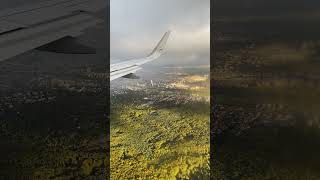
108	92
212	91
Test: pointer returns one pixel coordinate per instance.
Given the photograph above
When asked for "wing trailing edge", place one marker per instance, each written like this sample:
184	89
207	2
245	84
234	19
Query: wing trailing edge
67	45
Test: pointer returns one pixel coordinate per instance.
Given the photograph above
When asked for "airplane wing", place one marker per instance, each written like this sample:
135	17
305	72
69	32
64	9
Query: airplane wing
131	66
50	25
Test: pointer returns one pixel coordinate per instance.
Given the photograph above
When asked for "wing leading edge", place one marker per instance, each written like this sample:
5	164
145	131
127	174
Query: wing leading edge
131	66
33	26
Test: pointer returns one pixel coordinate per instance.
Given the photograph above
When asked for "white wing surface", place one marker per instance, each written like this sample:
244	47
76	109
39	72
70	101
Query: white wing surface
131	66
51	21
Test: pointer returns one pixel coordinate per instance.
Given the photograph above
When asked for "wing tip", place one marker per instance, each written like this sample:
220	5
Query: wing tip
161	44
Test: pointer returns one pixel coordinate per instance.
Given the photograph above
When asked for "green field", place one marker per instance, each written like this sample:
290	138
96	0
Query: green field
165	138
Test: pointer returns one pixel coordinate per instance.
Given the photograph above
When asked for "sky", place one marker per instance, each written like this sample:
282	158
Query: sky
137	26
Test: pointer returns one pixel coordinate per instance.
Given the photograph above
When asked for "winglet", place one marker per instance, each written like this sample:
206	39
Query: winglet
158	50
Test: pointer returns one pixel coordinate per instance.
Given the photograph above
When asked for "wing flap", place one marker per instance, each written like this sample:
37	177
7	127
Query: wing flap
6	26
23	40
29	27
71	5
30	7
123	72
50	10
36	17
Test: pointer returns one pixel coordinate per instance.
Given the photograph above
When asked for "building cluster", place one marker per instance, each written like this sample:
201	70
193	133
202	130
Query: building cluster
77	85
31	97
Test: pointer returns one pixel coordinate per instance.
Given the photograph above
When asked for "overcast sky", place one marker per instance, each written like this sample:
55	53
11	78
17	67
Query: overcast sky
136	27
